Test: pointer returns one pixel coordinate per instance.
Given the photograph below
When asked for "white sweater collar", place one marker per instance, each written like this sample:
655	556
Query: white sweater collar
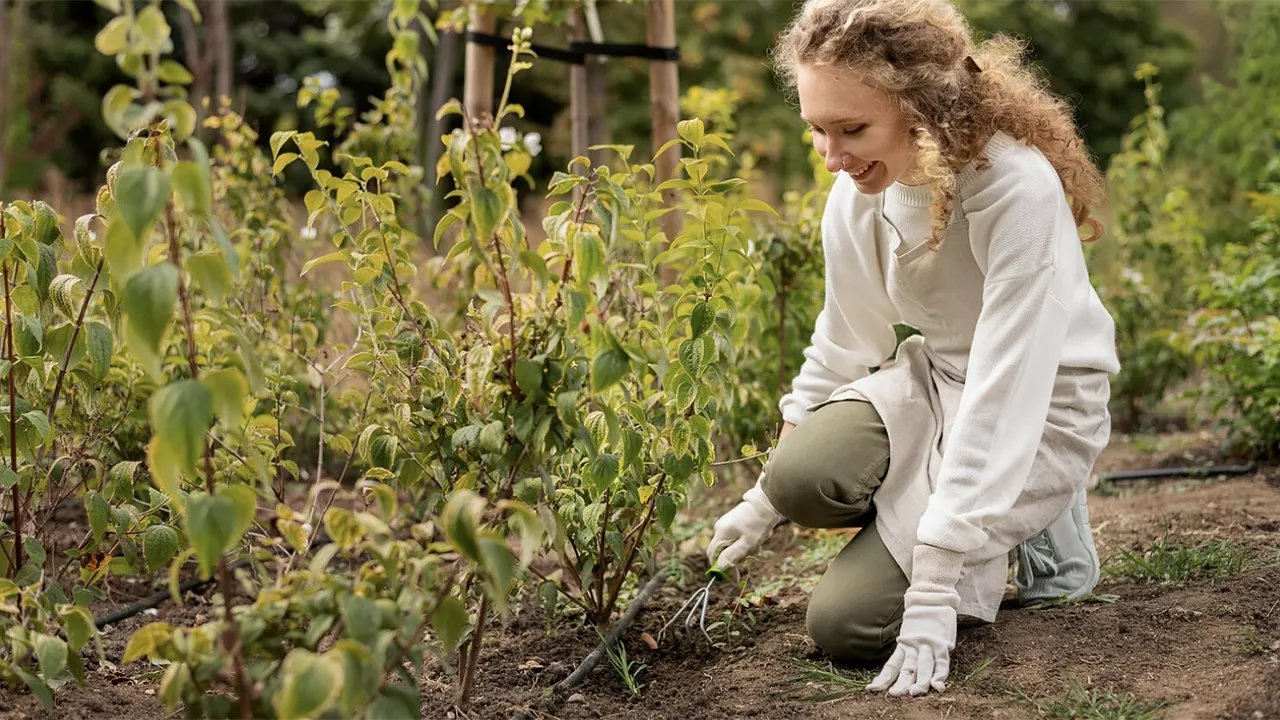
920	195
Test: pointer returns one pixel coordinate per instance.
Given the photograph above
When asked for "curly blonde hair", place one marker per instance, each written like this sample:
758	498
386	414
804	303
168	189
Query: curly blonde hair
954	94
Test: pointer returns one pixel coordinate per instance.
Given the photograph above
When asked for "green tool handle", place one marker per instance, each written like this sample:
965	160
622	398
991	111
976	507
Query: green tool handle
718	574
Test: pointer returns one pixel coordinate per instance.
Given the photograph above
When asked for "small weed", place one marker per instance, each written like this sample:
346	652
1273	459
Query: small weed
1250	644
1085	703
1173	562
1090	599
974	672
628	670
829	681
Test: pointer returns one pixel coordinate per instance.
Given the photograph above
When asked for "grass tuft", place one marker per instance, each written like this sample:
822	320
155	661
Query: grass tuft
1169	561
1086	703
830	682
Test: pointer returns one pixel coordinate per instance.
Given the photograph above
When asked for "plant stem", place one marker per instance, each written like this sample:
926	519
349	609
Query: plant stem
75	331
18	520
602	612
422	627
635	544
231	632
469	679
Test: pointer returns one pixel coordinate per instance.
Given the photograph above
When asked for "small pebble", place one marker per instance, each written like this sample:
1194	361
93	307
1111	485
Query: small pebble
577	698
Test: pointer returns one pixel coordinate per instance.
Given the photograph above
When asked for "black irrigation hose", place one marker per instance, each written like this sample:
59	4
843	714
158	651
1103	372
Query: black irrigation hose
593	658
1172	472
157	599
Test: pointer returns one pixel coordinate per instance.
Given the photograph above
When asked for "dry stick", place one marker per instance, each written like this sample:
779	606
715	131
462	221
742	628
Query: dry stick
624	622
231	633
602	610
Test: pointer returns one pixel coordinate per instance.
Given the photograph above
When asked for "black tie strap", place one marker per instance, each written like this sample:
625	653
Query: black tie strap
577	52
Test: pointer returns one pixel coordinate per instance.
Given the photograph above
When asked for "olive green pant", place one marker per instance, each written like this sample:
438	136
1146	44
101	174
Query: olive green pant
822	475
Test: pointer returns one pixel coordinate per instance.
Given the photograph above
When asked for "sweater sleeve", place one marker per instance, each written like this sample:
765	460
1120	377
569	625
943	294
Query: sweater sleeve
854	329
1017	226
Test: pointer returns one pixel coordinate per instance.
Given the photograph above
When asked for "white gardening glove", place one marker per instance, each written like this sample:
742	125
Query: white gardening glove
922	659
742	529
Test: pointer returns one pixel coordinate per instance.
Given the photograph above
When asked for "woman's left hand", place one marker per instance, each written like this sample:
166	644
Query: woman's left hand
922	659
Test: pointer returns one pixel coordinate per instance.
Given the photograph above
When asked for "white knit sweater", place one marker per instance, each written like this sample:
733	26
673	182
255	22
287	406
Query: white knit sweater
1036	313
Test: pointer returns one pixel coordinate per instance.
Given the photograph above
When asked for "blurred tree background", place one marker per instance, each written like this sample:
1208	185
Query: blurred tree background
261	51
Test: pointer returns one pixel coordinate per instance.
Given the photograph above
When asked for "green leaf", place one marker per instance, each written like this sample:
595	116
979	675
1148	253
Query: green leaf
282	161
141	194
153	27
159	545
216	523
62	292
691	357
182	117
361	618
529	376
338	256
359	675
29	336
147	641
52	653
228	388
461	521
398	702
449	622
193	185
35	551
181	413
666	508
113	38
588	255
173	72
47	230
343	528
608	368
224	244
38	687
122	251
211	274
148	302
99	513
701	318
79	625
101	346
486	212
309	686
604	470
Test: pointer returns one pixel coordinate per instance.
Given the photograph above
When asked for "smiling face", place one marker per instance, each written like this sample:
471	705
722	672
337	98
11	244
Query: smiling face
856	128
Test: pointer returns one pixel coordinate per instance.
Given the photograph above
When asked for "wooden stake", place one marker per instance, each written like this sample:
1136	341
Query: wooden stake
578	99
478	94
664	98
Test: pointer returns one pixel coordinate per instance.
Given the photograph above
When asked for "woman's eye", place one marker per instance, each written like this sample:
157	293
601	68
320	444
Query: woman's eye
855	131
814	130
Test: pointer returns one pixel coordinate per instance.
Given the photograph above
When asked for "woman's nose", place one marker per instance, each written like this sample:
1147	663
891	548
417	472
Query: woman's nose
835	161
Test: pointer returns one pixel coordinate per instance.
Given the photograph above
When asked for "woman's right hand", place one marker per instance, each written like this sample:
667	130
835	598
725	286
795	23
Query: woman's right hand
742	529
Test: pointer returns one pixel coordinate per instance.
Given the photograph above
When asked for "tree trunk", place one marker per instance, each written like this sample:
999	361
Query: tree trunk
197	58
220	47
5	65
429	146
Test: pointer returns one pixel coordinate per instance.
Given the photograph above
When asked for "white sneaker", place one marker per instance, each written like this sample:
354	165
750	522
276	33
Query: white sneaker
1059	561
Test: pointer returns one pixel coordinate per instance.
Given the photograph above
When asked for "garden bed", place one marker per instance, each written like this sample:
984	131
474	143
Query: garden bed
1201	647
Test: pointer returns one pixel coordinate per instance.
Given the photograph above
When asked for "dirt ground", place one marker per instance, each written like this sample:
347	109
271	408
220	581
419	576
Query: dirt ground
1201	648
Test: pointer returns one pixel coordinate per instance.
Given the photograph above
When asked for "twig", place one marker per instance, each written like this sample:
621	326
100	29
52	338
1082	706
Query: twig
422	627
624	622
464	696
18	519
66	358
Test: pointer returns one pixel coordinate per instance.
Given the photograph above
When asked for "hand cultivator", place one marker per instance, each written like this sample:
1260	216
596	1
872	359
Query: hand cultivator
697	604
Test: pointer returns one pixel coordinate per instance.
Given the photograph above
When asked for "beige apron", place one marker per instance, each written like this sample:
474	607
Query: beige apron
918	393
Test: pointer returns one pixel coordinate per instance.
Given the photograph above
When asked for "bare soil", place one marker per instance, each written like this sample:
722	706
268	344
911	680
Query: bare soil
1203	648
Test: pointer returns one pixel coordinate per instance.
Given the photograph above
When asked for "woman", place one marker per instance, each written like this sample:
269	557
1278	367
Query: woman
961	188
